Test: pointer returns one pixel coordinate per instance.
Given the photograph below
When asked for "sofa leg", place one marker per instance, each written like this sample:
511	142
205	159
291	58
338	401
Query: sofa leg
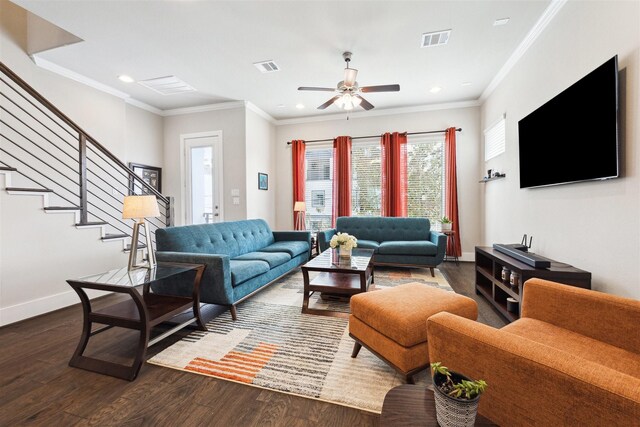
433	273
234	313
410	379
356	349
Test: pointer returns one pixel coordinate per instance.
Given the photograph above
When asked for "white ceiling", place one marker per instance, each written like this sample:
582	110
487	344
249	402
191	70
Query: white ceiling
212	46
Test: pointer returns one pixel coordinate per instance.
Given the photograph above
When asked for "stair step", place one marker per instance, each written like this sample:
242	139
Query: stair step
140	246
8	169
90	224
62	208
115	236
30	190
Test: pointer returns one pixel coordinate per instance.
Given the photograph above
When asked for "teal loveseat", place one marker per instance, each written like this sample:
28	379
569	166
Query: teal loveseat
241	257
395	241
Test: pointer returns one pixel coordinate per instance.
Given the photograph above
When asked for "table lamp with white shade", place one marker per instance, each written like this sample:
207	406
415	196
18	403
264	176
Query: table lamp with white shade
139	208
299	208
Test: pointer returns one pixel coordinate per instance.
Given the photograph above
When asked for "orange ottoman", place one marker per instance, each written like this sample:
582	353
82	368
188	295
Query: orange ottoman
392	322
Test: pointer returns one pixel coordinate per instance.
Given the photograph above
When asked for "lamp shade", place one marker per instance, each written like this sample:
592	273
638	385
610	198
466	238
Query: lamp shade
140	207
299	207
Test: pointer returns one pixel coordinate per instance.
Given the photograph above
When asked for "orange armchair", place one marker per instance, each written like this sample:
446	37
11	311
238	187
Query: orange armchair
572	359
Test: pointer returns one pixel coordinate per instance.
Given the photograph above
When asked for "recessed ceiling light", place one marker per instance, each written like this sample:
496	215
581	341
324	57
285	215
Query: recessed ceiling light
125	78
300	106
435	89
501	21
466	83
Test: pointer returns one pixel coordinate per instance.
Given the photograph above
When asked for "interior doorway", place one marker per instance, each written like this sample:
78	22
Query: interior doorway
202	177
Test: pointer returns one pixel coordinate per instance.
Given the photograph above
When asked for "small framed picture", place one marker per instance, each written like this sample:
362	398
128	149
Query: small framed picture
263	181
149	174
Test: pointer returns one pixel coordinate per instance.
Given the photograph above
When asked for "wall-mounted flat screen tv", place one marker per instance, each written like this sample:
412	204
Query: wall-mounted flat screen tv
574	136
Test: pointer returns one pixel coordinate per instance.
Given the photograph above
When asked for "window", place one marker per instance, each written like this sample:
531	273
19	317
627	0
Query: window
317	198
425	177
319	187
366	191
425	180
494	139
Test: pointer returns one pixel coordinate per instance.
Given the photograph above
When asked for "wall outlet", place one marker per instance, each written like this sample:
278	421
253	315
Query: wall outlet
236	200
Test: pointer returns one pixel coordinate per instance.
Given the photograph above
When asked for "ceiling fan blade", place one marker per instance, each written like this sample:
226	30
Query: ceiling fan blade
350	75
364	103
322	89
381	88
329	102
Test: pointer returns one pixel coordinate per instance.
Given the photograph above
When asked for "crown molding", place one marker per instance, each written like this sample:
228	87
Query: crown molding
65	72
542	23
253	107
381	112
132	101
204	108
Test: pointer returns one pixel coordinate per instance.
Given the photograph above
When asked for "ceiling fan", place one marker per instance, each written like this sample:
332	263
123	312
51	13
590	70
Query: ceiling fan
348	90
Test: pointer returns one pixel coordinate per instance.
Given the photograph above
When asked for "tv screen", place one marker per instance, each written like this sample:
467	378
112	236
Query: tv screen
574	136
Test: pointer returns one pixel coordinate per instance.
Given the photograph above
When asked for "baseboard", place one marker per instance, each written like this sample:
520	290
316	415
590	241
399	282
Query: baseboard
465	257
38	306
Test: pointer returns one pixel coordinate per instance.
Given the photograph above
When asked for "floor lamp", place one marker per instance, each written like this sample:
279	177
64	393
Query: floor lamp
139	208
299	208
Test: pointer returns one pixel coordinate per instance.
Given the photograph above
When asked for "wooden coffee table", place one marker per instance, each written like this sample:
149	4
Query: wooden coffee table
413	405
337	276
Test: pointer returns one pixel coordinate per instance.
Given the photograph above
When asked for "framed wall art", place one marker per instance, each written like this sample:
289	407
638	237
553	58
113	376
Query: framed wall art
149	174
263	181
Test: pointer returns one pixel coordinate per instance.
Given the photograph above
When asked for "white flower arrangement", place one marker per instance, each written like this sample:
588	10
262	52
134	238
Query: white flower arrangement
343	240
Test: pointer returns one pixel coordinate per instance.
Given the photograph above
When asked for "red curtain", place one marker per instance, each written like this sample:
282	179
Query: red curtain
341	178
393	149
451	192
297	154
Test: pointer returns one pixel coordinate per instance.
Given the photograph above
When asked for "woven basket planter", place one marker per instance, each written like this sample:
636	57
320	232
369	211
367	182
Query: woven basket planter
451	411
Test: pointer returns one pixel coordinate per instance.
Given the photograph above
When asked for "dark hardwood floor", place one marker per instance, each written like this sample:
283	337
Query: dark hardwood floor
38	388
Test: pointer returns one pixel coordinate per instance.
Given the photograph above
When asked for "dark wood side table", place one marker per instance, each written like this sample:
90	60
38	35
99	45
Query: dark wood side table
141	312
450	235
413	405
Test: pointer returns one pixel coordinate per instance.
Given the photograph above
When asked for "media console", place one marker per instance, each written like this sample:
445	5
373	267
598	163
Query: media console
489	283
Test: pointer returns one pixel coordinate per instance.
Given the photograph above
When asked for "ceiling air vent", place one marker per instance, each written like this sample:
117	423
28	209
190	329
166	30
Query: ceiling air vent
169	85
267	66
436	38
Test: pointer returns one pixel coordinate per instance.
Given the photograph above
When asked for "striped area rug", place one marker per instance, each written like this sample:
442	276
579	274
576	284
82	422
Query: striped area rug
273	346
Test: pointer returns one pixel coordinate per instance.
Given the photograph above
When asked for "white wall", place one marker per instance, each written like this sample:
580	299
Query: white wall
232	124
594	225
38	251
468	143
260	152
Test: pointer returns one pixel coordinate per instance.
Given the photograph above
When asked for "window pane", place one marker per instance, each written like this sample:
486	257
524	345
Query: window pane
365	179
425	176
318	188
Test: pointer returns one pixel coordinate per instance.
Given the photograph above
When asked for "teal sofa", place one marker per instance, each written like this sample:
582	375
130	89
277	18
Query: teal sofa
241	257
395	241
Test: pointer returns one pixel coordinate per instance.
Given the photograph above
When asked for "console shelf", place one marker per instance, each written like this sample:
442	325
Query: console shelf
489	263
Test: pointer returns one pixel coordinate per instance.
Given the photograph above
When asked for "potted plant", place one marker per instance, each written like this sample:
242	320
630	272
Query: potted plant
456	397
345	242
445	223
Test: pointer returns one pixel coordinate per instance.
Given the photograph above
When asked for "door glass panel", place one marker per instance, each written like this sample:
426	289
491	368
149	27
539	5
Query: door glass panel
202	185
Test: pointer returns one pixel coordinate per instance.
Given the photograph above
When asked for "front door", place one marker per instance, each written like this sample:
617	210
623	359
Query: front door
203	178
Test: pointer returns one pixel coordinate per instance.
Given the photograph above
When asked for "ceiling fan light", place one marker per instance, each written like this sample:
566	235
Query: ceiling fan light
356	100
339	102
348	106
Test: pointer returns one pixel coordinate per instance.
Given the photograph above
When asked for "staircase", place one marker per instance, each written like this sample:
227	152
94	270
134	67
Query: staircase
45	154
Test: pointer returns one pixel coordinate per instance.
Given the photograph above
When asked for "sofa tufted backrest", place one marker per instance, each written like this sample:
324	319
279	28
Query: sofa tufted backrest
384	229
230	238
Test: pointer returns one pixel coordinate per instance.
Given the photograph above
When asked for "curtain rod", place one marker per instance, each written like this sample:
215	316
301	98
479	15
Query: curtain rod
374	136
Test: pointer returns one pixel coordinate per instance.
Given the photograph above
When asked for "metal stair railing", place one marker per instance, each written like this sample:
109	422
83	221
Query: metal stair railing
52	152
